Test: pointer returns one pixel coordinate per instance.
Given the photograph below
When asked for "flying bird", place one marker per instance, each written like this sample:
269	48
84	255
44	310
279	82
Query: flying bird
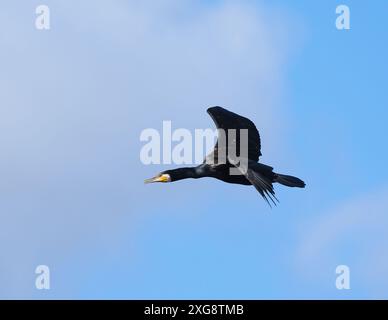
252	172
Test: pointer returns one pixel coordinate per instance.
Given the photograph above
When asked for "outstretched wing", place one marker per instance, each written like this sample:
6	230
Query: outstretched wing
227	120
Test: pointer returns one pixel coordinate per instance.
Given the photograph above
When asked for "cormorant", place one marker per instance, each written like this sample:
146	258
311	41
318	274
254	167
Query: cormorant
253	173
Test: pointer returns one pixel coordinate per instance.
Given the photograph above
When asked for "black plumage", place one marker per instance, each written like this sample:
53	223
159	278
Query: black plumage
252	172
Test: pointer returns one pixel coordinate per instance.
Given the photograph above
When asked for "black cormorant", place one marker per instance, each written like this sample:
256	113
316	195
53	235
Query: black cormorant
253	173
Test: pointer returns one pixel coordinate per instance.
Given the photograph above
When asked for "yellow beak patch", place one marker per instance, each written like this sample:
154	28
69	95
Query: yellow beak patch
161	178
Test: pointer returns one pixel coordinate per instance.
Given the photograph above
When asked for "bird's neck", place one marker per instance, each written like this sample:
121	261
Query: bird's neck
188	172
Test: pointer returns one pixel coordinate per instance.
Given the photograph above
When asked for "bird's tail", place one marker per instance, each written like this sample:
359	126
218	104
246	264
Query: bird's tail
288	181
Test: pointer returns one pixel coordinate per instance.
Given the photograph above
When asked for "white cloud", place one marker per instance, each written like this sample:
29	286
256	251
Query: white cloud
354	234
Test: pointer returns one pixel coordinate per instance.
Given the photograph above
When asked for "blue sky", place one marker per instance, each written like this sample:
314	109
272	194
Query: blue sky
74	100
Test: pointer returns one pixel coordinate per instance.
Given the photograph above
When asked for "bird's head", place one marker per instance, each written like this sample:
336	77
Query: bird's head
161	177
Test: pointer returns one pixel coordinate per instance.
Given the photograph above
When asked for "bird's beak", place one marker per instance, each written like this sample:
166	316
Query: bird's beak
161	178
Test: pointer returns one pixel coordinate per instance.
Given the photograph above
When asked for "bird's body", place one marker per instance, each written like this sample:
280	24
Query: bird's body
219	163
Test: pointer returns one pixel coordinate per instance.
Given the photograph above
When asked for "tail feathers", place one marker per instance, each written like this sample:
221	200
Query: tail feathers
261	177
289	181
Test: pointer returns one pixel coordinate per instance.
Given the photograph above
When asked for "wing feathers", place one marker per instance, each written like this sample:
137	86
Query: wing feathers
227	120
261	177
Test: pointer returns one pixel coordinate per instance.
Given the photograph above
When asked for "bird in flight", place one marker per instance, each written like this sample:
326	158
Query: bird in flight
252	172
